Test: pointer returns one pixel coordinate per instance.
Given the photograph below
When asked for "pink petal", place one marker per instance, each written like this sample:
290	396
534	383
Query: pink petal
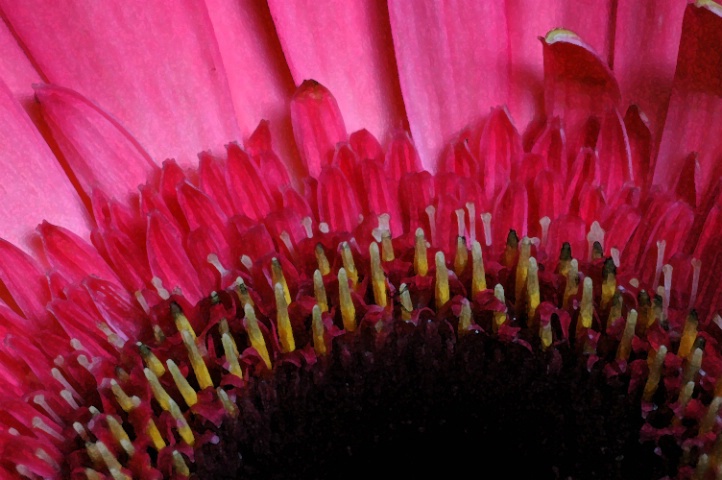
100	152
527	19
317	125
614	153
577	85
696	105
29	173
156	69
16	69
337	204
646	40
355	59
259	80
453	61
25	281
500	151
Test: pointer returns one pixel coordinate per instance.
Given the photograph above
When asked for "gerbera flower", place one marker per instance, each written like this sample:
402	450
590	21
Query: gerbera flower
415	234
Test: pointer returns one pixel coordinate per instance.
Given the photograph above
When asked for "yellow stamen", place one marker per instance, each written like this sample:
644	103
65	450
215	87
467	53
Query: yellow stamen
283	321
125	402
689	335
646	317
181	424
700	471
462	256
93	474
348	265
319	342
565	259
348	310
161	396
179	464
185	389
478	275
710	418
625	345
442	280
586	309
682	400
151	360
499	317
181	321
228	405
120	435
407	307
522	269
609	282
572	287
511	249
278	277
692	365
322	260
197	363
421	262
465	317
656	361
152	430
532	289
231	352
94	454
387	248
319	291
615	311
255	335
242	292
378	278
111	462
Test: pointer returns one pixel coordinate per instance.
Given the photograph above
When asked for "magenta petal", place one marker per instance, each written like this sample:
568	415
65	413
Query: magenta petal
352	33
25	281
615	157
337	203
16	69
156	69
27	181
453	61
100	152
695	109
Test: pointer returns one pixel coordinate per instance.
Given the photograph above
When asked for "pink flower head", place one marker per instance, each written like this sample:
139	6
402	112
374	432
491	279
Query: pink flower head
289	239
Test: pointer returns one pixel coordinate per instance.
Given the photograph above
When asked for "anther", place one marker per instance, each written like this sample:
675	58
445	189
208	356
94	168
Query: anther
121	436
187	392
615	310
692	365
486	221
151	360
595	237
278	277
545	334
378	278
125	402
230	350
283	321
597	251
565	258
499	317
646	315
348	310
656	360
255	336
228	405
110	461
532	289
197	362
478	275
319	342
387	247
242	292
348	264
465	317
442	280
586	309
161	396
179	465
462	256
181	424
689	334
683	399
322	260
319	291
421	262
181	321
407	307
625	345
710	417
609	282
511	250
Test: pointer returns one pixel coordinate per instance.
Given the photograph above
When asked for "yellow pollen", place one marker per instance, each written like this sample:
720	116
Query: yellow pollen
322	260
683	399
228	405
462	256
152	430
255	335
572	286
478	275
499	317
625	345
348	310
125	402
348	264
689	335
387	248
378	278
283	321
231	352
181	321
465	317
710	417
319	291
181	424
151	360
656	361
545	334
532	288
319	342
120	435
407	307
179	464
442	280
197	363
110	461
187	392
565	259
161	396
609	283
242	292
93	474
522	269
615	311
586	309
421	262
94	454
692	365
278	277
